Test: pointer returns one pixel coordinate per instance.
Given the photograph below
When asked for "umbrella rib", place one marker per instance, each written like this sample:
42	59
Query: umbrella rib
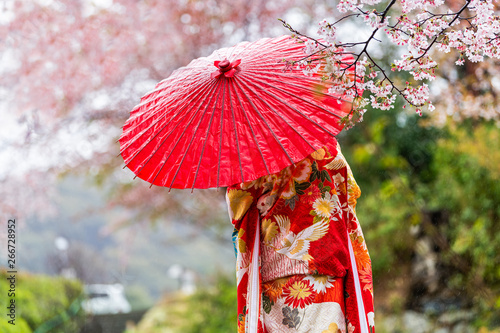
152	114
140	134
164	140
301	98
179	139
236	136
221	133
253	134
264	121
279	115
147	142
195	93
290	106
300	86
205	143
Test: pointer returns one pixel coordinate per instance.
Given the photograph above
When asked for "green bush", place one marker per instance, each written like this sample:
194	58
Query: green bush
213	310
44	303
20	326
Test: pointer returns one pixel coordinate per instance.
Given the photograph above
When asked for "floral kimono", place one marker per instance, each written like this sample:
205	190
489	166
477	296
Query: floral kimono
302	262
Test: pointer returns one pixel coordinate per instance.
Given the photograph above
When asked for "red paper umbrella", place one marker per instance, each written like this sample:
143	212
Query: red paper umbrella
231	117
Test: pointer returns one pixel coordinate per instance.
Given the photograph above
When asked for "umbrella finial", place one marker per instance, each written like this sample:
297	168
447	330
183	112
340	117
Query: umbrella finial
225	67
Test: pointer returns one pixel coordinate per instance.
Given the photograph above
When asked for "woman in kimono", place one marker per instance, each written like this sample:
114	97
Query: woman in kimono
302	262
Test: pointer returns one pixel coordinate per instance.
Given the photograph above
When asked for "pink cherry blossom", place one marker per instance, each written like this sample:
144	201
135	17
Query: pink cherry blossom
419	28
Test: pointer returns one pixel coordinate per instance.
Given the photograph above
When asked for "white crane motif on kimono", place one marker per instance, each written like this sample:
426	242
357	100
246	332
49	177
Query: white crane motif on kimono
296	246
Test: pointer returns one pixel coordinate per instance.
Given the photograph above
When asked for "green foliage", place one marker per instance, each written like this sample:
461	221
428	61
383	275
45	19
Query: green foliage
467	186
214	309
408	171
20	326
43	302
382	153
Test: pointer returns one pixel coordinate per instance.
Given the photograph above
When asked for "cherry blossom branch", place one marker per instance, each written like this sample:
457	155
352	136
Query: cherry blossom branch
291	29
454	16
415	28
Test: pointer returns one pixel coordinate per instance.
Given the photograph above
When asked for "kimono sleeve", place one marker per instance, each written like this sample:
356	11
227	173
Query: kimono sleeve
242	202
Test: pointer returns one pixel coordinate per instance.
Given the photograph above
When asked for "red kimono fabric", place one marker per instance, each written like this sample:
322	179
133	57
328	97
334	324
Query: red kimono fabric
302	262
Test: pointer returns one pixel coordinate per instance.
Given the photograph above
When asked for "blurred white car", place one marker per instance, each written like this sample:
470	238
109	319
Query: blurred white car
105	299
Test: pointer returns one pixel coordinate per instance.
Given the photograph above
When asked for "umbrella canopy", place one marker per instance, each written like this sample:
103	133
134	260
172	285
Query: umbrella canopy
231	117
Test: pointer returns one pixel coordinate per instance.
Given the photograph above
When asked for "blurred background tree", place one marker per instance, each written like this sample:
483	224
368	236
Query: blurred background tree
72	70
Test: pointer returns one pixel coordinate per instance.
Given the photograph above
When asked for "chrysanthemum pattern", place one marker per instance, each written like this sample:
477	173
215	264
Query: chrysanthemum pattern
292	304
